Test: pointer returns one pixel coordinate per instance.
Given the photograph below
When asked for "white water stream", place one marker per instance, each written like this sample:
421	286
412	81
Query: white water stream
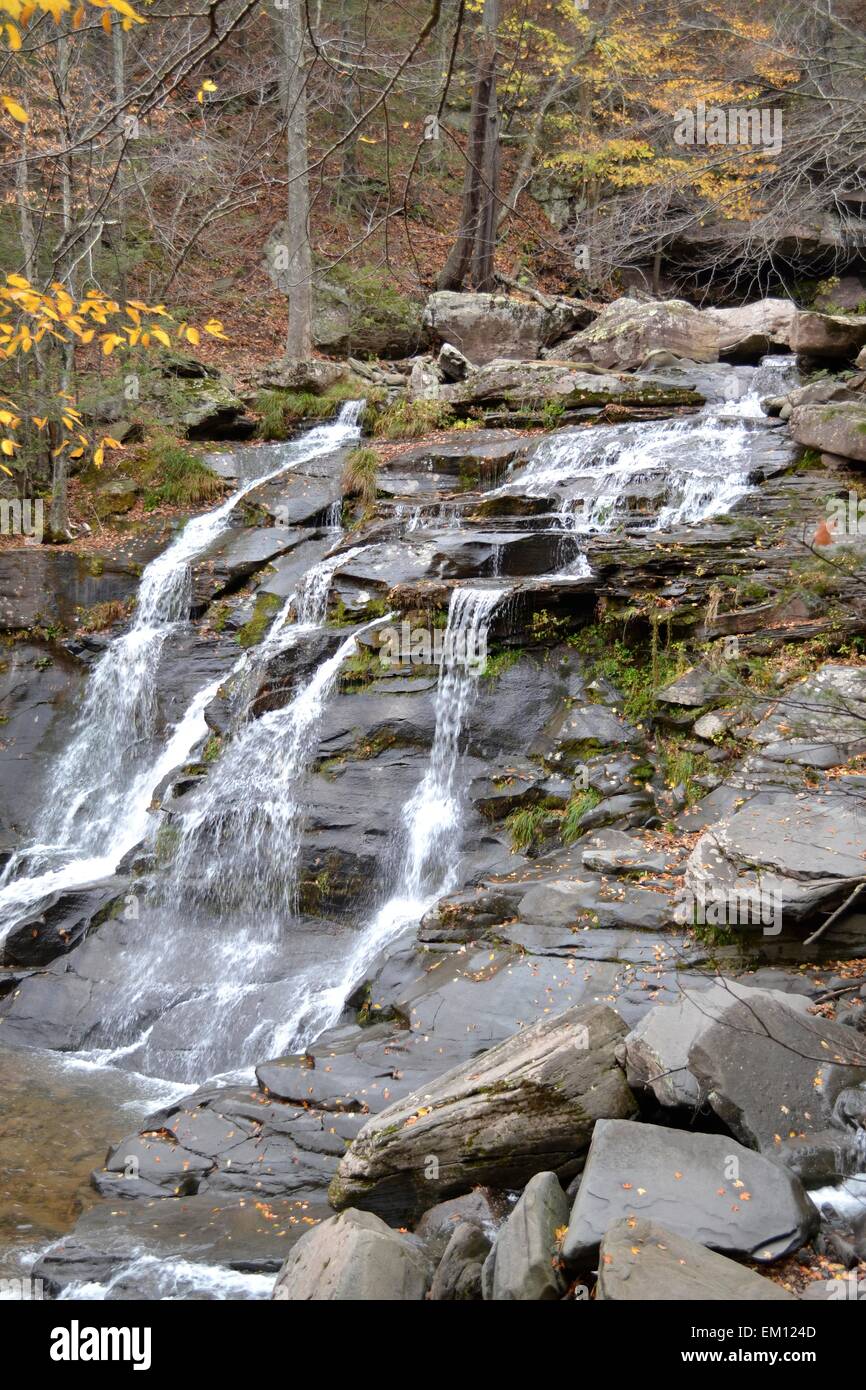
95	807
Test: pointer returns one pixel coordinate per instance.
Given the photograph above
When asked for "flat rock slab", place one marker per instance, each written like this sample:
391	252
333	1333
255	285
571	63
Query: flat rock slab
354	1257
820	721
642	1261
526	1106
795	853
657	1050
683	1181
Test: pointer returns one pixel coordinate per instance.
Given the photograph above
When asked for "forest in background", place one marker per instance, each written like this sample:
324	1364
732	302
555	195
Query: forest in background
297	176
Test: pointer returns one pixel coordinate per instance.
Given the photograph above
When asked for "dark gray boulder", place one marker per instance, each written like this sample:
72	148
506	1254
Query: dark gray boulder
458	1274
703	1186
526	1257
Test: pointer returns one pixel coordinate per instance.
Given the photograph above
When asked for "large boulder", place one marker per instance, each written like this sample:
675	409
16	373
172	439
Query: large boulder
525	1106
487	326
750	330
837	428
657	1050
642	1262
835	337
628	330
706	1187
354	1257
772	1073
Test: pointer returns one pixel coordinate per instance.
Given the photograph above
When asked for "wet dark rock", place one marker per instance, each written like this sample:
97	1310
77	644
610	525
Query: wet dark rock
59	922
39	685
482	1208
114	1239
684	1181
239	554
458	1274
46	588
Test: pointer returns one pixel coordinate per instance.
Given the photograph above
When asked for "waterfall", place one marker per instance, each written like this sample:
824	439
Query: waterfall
238	845
101	785
696	467
431	823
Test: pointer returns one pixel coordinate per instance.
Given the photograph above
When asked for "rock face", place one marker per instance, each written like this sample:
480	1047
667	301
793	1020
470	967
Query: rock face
706	1187
484	326
525	1106
354	1257
525	1264
771	1073
642	1261
750	330
628	330
837	428
658	1050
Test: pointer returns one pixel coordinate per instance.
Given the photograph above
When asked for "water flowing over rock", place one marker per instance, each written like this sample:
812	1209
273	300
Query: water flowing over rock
412	846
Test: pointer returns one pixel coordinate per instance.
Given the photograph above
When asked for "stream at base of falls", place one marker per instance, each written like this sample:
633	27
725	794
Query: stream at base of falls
215	966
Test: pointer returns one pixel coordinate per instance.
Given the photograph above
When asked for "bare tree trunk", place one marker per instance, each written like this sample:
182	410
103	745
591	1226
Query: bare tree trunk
58	516
475	243
118	232
299	275
25	219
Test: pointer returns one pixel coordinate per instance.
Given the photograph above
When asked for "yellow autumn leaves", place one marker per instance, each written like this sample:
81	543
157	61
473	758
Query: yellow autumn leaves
30	317
21	12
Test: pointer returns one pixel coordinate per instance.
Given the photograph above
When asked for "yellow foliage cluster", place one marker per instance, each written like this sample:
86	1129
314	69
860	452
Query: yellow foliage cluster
30	317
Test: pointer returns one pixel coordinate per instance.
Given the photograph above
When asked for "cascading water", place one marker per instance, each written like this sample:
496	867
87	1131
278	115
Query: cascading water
432	818
669	473
238	845
101	786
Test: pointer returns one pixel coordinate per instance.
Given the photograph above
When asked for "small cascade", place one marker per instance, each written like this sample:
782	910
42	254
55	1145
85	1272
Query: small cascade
663	474
431	821
93	799
238	845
